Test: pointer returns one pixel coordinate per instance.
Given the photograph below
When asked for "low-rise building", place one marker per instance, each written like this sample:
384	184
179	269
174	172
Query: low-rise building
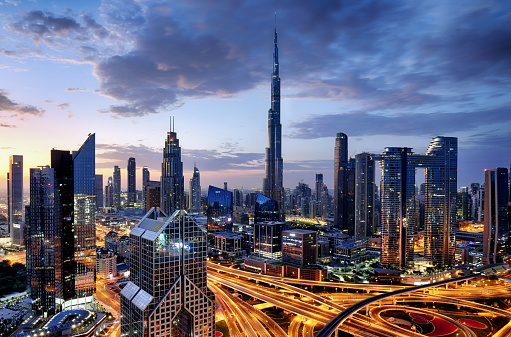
226	243
106	263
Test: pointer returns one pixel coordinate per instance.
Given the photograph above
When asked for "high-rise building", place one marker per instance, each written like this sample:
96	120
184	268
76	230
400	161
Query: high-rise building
496	224
116	185
99	191
219	209
75	174
109	193
195	191
145	178
167	294
172	180
364	196
152	194
474	201
398	205
266	209
15	200
44	243
463	204
268	239
299	246
132	182
238	197
344	189
274	164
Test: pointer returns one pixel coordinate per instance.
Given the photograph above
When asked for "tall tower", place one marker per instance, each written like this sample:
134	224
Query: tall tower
195	191
274	164
364	195
341	175
145	179
167	294
15	200
496	225
132	181
172	180
116	195
99	192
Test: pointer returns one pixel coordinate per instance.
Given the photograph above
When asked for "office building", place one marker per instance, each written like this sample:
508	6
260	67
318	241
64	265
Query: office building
474	201
106	264
364	196
116	185
167	294
44	243
344	189
152	194
195	192
145	178
99	191
463	204
399	207
496	217
172	180
268	239
15	206
219	209
109	193
299	246
132	182
274	164
266	209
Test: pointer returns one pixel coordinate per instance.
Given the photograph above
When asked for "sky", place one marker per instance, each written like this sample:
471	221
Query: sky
386	73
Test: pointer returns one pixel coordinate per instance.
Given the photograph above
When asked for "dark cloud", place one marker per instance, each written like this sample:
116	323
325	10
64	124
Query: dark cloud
401	124
9	106
40	24
6	126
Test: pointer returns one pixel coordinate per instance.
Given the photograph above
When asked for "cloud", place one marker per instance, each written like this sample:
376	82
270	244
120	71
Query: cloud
401	124
9	106
76	90
7	126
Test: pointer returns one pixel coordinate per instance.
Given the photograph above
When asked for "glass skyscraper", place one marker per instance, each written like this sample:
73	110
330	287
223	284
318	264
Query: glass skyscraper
116	185
172	180
344	189
15	200
266	209
364	196
167	294
219	209
132	182
195	191
274	164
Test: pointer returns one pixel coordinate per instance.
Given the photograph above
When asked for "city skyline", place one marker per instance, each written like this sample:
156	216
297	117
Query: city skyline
385	74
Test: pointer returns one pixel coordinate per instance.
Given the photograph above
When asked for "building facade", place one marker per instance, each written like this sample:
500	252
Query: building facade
195	192
344	189
364	196
274	164
145	178
219	209
99	192
116	186
132	182
172	180
168	293
299	247
268	239
15	206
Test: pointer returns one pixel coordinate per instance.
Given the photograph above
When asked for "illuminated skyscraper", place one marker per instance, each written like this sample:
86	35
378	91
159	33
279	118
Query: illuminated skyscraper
195	191
145	178
219	209
132	182
274	164
116	185
15	200
344	189
172	180
364	196
44	238
109	193
99	191
167	294
496	217
75	174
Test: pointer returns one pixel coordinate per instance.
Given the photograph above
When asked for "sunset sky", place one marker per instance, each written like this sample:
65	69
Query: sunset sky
386	73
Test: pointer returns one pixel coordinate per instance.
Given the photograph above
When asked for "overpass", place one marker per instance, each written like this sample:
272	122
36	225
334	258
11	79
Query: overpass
332	326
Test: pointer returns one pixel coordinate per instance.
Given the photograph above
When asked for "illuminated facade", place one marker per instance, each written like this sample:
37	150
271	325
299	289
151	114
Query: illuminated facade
172	180
398	206
195	192
132	182
268	239
299	246
116	185
364	196
274	164
219	209
344	189
15	200
265	209
168	293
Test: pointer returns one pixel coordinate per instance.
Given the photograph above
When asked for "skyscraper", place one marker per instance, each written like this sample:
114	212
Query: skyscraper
99	192
268	239
195	191
274	164
44	238
168	293
15	200
266	209
172	180
132	181
364	196
145	178
219	209
344	189
496	225
398	206
75	175
109	193
116	185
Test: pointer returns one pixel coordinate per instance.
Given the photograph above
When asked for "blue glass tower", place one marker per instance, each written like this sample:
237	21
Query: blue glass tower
219	209
274	164
172	180
266	209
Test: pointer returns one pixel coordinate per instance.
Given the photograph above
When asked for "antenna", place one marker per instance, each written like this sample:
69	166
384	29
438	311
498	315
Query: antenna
173	123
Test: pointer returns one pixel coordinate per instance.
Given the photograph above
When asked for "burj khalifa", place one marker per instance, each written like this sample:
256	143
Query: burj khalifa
273	181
